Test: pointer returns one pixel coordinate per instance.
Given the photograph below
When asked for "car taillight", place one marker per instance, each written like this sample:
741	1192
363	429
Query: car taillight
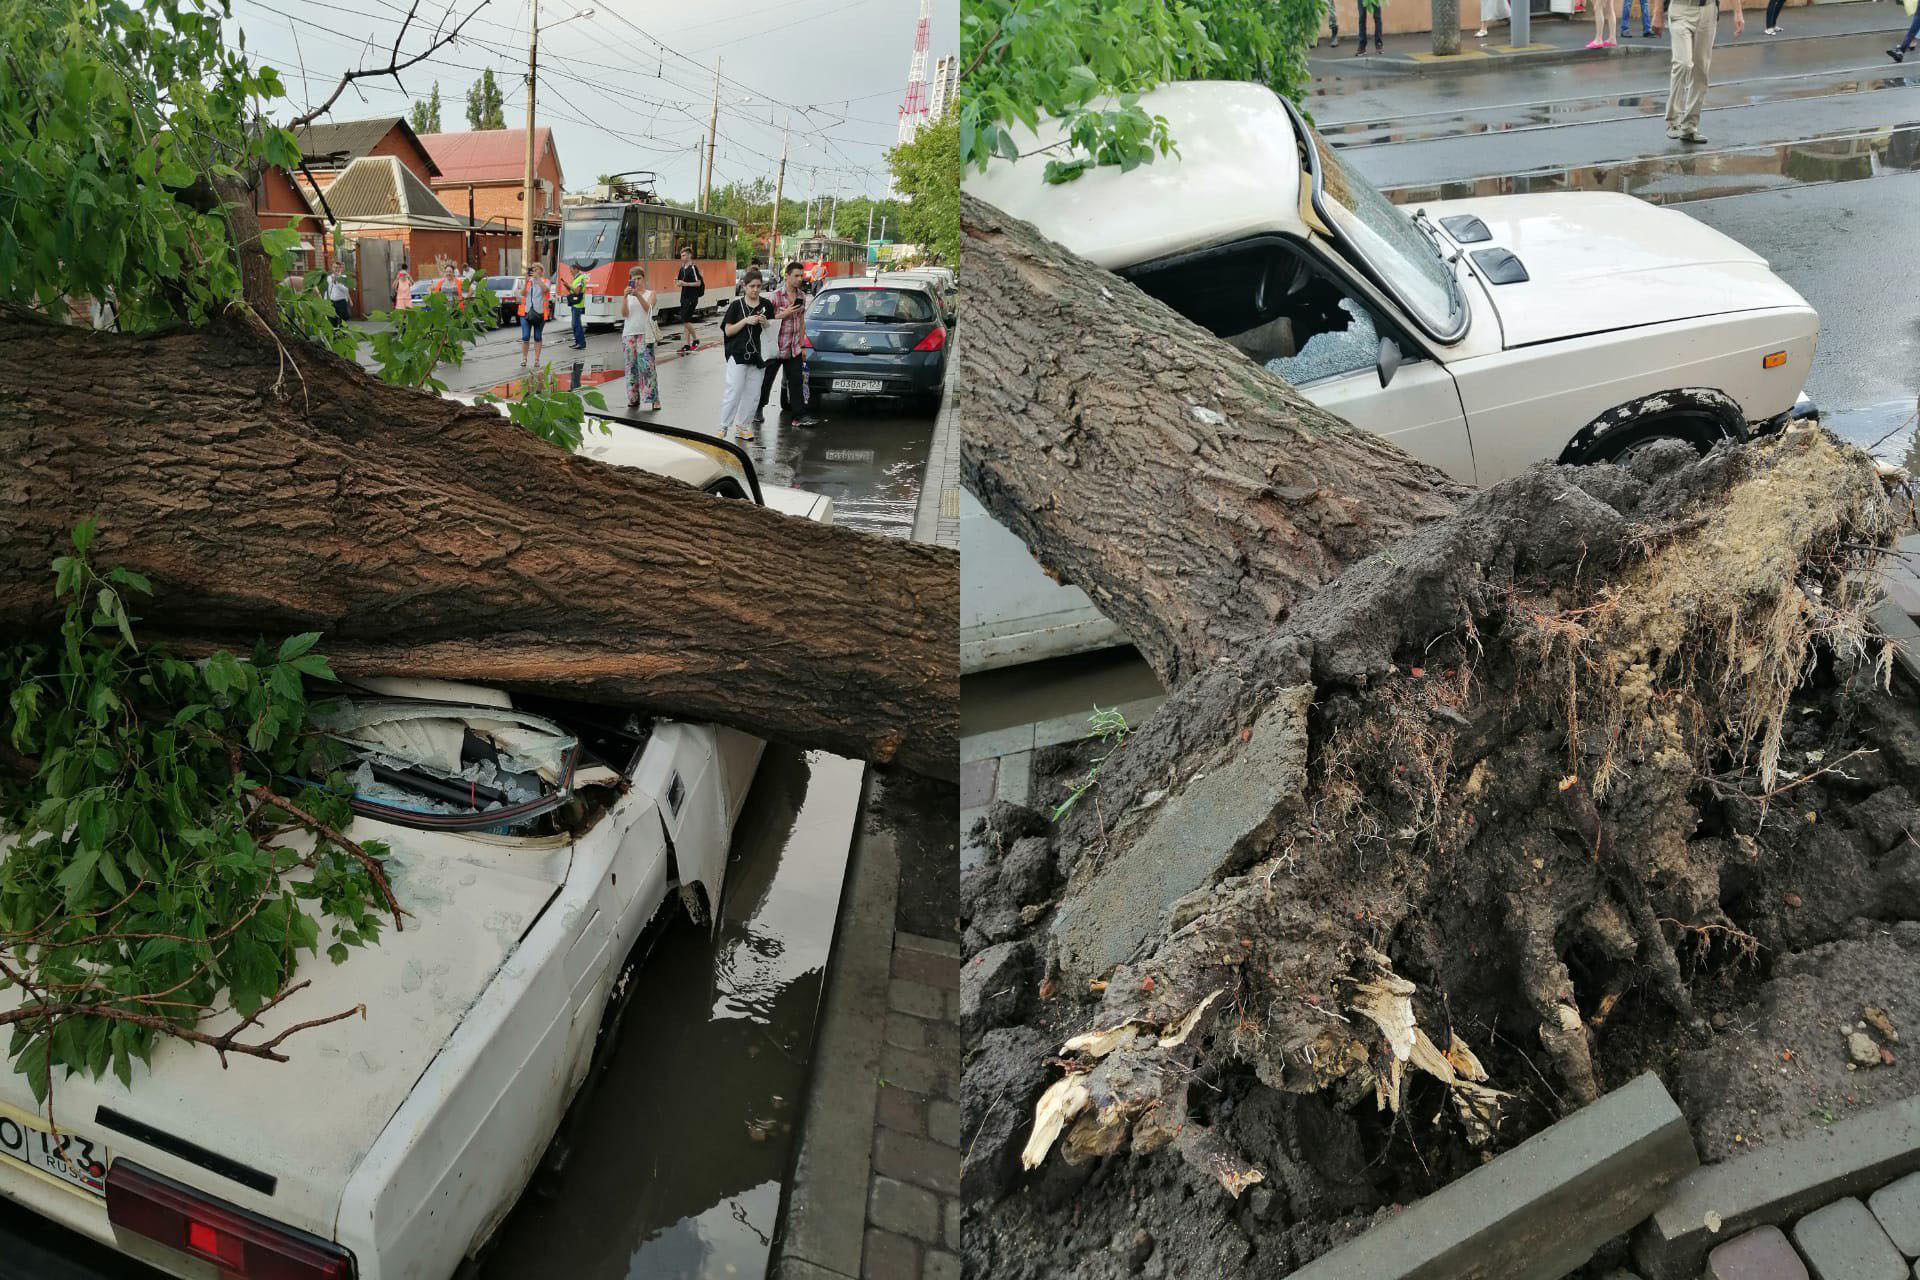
241	1243
933	341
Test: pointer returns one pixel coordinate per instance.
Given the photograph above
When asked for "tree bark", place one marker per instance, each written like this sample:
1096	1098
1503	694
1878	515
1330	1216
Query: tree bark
267	490
1192	494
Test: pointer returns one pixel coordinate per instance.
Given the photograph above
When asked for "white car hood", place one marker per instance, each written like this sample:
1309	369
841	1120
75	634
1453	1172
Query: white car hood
1599	261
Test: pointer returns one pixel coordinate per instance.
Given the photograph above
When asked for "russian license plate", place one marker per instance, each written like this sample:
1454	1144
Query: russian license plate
76	1161
856	384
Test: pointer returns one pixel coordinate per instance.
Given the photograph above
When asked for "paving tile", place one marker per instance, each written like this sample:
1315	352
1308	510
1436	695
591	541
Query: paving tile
1764	1253
917	998
1843	1242
906	1030
1015	783
917	1160
903	1209
924	967
940	1266
950	1223
943	1123
916	1072
976	782
898	1109
1897	1207
889	1257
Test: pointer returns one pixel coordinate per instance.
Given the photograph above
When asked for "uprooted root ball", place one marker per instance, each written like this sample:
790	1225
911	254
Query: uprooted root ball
1553	772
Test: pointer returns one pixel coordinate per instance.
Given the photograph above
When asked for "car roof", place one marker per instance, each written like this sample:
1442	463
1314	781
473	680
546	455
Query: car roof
1235	173
883	280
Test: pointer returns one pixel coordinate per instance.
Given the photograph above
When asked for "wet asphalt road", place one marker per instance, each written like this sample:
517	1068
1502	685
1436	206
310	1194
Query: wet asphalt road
1814	161
868	456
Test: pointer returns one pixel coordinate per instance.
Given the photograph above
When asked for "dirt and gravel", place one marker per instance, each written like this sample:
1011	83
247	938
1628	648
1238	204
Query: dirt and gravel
1644	803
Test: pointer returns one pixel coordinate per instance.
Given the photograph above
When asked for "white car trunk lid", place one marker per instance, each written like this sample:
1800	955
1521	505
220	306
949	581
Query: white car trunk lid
1601	261
307	1122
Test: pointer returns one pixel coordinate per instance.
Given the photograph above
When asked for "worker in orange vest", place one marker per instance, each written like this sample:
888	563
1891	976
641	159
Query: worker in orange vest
536	308
449	283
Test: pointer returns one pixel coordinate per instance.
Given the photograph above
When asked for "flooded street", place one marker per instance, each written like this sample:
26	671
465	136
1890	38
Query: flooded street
685	1143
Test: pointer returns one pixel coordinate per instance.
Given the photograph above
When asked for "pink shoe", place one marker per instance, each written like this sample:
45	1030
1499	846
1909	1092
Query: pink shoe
1595	44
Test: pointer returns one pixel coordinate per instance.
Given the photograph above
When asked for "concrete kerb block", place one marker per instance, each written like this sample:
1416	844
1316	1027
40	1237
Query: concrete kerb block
1541	1209
1777	1184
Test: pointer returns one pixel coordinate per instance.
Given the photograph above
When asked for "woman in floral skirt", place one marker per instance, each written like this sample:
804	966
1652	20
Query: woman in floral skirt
638	334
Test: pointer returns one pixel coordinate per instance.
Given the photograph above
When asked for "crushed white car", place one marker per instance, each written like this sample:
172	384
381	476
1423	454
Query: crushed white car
538	845
1481	335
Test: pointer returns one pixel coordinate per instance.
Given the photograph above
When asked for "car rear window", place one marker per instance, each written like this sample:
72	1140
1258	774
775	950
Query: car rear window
893	306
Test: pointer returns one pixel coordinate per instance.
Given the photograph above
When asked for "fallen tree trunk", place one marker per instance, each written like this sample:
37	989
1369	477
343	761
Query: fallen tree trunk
425	538
1441	775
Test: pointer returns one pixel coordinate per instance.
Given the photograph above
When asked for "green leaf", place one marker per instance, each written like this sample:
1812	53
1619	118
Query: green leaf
293	646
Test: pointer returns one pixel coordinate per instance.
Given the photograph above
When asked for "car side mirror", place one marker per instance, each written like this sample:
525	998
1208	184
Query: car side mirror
1389	359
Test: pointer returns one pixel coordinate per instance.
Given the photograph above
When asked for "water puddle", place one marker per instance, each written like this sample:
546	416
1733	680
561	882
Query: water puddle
1628	106
688	1137
1886	430
1684	176
868	457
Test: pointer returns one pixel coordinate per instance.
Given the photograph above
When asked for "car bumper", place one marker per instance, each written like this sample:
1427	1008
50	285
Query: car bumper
911	373
1804	410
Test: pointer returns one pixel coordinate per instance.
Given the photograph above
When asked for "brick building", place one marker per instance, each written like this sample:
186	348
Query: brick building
481	173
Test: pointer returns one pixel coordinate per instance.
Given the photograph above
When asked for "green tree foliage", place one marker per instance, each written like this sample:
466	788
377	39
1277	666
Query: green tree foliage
927	171
425	117
1087	61
176	843
172	825
485	105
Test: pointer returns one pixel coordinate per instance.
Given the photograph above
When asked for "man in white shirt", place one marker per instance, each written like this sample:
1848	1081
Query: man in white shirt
340	295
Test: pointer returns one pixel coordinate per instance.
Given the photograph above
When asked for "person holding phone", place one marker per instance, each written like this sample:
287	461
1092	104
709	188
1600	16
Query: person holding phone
787	357
638	335
743	327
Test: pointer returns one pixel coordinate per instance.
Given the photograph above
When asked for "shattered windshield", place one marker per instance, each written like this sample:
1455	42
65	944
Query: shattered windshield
1387	240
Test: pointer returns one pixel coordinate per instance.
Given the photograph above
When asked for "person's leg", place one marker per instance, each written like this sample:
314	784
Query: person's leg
1913	33
729	395
579	327
526	332
539	336
1705	23
1646	17
766	387
631	349
649	376
1681	67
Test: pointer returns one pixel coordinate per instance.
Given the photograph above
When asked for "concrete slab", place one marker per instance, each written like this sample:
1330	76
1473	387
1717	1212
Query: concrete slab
826	1217
1541	1209
1186	840
1843	1242
1776	1184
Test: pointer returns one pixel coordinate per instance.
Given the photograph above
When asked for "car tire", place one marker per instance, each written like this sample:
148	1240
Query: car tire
1699	431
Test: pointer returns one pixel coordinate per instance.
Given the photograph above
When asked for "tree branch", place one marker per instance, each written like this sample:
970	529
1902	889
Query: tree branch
393	68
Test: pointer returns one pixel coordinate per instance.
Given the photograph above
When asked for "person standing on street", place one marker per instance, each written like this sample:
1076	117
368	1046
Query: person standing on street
692	285
449	283
536	308
577	303
1626	18
790	309
1693	23
637	337
1773	16
1492	11
742	327
1602	25
340	296
1369	7
402	289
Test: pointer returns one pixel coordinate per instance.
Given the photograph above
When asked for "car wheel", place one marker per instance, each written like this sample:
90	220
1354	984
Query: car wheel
1698	431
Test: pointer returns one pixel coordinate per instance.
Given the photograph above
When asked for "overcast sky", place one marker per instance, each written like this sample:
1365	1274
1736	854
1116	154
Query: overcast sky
631	85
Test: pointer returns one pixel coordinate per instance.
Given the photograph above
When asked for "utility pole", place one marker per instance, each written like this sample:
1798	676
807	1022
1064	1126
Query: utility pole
526	183
713	129
779	185
833	210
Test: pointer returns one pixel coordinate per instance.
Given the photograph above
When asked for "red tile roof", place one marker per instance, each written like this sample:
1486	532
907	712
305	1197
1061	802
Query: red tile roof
485	155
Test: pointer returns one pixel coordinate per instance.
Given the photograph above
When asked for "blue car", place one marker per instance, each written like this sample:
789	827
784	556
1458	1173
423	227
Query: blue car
869	338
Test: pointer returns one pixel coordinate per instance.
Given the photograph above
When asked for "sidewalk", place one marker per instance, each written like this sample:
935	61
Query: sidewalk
937	516
1557	38
875	1191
